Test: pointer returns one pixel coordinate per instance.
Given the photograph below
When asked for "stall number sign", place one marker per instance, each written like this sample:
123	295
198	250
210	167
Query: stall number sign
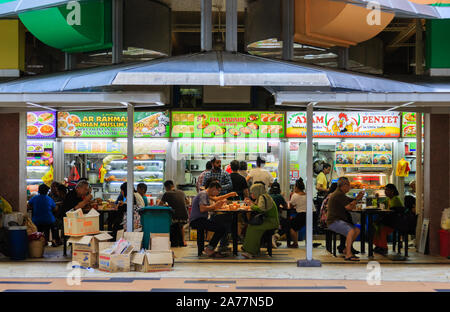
228	124
112	124
345	124
363	155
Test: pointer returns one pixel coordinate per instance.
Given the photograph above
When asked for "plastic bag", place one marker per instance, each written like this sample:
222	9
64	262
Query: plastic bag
48	177
5	207
16	217
31	228
36	236
445	219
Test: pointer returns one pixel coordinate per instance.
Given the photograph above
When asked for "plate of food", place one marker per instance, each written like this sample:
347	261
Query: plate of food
32	130
234	132
209	130
46	118
31	118
409	130
410	117
203	125
47	130
252	125
73	119
202	117
253	117
246	130
220	131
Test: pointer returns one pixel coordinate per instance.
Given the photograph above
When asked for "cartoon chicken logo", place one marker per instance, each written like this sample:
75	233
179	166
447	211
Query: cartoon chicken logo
343	124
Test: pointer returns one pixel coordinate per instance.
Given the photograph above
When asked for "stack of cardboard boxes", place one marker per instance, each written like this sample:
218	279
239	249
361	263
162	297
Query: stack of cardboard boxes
158	258
85	236
92	248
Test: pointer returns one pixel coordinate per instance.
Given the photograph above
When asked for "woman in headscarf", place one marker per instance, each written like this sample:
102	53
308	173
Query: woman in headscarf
264	204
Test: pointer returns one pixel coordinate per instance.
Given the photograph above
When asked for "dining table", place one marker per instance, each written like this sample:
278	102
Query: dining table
368	213
234	224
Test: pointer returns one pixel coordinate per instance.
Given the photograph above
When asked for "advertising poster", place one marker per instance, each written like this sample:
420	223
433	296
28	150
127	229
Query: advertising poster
111	124
409	125
363	155
41	125
345	124
227	124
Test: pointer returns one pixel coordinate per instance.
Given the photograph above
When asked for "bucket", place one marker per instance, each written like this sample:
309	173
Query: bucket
36	248
18	242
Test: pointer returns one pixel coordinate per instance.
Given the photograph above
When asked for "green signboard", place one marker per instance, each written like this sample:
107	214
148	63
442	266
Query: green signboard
228	124
111	124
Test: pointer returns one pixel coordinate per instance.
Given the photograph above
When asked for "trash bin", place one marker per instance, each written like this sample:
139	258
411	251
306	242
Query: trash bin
445	243
18	242
155	219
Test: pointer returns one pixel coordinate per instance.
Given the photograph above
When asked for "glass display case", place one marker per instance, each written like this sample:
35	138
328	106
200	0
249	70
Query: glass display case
39	160
372	182
150	172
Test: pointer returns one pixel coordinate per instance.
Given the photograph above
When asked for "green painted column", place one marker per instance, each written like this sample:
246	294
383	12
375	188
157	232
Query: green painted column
438	46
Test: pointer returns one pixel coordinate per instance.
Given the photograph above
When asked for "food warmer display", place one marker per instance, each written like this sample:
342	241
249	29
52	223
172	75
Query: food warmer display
150	172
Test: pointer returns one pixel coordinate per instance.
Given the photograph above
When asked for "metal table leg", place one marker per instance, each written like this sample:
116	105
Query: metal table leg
362	235
101	220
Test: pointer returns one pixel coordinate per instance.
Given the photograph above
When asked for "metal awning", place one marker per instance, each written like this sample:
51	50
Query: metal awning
14	7
210	68
406	8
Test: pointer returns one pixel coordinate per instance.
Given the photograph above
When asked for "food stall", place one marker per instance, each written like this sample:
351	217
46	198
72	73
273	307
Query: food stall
358	145
237	135
41	134
95	147
409	138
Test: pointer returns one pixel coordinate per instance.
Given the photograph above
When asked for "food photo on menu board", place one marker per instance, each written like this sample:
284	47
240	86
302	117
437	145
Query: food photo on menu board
41	125
112	124
227	124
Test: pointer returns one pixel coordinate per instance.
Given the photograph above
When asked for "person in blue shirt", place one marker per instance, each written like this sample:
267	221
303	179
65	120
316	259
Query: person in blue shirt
43	206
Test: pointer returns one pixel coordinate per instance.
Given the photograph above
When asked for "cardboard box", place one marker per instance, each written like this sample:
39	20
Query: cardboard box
159	242
135	238
88	243
78	224
114	263
85	258
153	261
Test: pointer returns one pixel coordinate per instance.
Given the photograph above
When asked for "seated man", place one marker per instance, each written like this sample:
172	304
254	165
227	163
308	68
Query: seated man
199	216
337	222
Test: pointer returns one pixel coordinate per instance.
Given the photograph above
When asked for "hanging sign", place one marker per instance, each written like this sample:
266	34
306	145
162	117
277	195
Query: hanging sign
111	124
41	125
345	124
227	124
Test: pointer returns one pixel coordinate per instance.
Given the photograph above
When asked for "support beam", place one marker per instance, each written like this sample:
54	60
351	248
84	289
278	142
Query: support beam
419	47
231	29
70	61
419	179
309	262
206	25
343	58
117	35
130	166
288	29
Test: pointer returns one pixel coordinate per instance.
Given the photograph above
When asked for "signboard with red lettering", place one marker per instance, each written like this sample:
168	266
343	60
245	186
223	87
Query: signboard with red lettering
345	124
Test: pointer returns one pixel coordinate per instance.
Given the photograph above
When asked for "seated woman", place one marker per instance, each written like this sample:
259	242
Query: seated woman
297	203
264	204
390	222
275	193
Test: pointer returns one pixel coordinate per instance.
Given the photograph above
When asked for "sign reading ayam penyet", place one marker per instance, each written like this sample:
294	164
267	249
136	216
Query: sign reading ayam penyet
345	124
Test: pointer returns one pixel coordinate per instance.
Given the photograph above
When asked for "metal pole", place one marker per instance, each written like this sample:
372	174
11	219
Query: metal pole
130	166
231	31
419	179
117	35
206	34
288	29
309	262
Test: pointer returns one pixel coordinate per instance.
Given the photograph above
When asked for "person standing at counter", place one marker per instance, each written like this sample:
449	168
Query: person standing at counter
43	206
201	178
198	219
177	200
243	169
260	175
142	189
222	176
322	182
239	183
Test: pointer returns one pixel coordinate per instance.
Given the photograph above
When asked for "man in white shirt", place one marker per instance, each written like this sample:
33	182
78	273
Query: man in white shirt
259	174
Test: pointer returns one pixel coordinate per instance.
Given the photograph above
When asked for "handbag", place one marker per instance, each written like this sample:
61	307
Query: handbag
258	218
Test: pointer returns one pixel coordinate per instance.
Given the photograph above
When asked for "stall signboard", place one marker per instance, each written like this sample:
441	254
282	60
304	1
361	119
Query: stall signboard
111	124
228	124
93	147
409	125
204	147
364	155
41	125
345	124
